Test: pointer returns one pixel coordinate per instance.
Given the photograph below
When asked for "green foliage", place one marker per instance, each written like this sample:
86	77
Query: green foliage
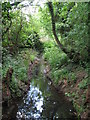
34	42
55	57
78	108
73	94
74	29
71	21
5	11
20	65
14	87
83	84
71	77
17	31
6	17
55	74
13	28
48	44
45	21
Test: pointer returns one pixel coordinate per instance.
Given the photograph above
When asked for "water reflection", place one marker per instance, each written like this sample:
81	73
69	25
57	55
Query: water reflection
49	105
32	105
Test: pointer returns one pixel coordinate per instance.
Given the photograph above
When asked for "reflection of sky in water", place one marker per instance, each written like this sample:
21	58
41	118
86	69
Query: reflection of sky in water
32	104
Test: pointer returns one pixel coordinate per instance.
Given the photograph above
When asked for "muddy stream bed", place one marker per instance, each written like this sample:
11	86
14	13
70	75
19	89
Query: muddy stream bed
42	101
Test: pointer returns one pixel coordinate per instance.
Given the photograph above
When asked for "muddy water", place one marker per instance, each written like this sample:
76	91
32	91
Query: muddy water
42	102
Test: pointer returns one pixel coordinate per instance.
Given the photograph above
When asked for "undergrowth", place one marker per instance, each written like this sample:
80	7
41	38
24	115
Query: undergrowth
19	63
62	69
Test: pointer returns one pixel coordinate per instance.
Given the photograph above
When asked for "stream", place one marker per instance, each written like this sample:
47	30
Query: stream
42	101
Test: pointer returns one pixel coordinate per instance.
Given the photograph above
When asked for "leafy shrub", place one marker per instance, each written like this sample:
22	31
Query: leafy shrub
55	74
55	57
71	77
34	42
20	65
48	44
83	84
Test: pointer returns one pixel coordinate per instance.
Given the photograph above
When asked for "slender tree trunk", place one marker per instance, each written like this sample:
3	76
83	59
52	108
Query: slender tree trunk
54	27
69	54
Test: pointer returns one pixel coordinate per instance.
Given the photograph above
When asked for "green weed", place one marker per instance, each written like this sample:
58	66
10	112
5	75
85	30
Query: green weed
83	84
20	64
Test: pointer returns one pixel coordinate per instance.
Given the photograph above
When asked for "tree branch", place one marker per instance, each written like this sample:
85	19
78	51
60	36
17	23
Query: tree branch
54	27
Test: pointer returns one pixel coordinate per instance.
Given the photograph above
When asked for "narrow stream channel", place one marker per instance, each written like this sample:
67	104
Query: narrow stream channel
42	102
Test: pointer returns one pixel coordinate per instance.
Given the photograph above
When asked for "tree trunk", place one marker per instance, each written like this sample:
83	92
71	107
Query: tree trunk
72	52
